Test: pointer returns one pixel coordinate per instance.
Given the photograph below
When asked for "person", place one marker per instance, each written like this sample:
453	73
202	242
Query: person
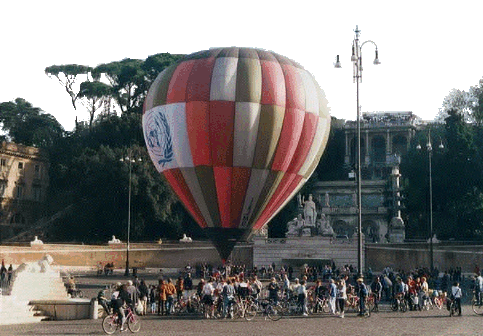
273	289
71	286
228	294
133	293
179	288
319	292
362	292
302	297
152	298
170	293
286	285
103	301
143	296
3	273
376	288
120	297
9	274
341	296
478	287
256	287
243	289
412	294
161	297
423	293
456	296
332	296
208	291
188	284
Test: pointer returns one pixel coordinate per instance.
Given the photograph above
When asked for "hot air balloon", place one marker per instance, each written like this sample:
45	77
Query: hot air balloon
236	132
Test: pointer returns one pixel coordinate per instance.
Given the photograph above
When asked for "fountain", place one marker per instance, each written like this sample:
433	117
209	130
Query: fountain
37	285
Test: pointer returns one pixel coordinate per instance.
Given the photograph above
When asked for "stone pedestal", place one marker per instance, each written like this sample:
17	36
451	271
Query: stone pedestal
305	250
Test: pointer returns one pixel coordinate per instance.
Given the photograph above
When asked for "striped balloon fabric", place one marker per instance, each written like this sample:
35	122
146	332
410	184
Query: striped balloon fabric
236	132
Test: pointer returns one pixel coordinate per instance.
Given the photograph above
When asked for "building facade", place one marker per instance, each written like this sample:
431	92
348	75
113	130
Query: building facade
24	181
385	137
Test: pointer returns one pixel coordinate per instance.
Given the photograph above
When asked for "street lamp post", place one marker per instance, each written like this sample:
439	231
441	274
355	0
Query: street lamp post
130	159
357	78
429	148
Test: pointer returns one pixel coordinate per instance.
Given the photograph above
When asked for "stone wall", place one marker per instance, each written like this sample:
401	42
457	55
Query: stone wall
140	255
413	255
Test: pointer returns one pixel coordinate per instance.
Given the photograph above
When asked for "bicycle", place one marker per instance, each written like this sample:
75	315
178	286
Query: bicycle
112	322
477	304
266	308
452	308
320	305
398	303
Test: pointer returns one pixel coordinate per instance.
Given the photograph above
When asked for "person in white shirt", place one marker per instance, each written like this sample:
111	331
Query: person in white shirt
208	291
302	297
478	287
457	294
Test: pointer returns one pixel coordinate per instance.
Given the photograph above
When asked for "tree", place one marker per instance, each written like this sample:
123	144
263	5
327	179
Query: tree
97	95
29	125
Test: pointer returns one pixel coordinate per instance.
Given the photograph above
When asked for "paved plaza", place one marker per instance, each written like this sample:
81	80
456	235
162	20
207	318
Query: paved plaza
432	322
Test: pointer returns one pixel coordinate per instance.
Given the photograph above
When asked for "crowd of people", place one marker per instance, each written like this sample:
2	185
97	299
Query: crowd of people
219	288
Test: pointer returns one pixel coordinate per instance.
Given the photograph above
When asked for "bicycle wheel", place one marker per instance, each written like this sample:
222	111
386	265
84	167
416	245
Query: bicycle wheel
80	294
370	304
274	313
394	305
133	323
325	307
452	309
438	303
403	306
110	324
477	308
251	312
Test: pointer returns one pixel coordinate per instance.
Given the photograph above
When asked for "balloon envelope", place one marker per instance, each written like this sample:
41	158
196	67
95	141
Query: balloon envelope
236	132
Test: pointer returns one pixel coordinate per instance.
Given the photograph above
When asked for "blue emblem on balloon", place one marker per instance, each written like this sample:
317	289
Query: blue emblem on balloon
158	138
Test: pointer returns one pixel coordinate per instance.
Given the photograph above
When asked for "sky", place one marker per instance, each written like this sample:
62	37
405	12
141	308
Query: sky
426	48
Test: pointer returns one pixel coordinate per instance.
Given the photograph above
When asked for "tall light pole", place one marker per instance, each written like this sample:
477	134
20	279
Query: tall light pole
131	160
429	148
357	78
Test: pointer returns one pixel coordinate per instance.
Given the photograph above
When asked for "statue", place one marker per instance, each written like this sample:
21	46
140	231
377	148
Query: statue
185	239
327	203
114	240
294	226
262	232
36	241
310	212
299	200
324	227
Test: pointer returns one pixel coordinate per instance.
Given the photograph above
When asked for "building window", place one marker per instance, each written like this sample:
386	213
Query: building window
37	170
3	164
20	168
19	193
37	193
3	186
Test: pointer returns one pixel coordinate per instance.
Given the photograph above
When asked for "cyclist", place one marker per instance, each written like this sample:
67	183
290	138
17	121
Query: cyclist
120	297
302	297
376	288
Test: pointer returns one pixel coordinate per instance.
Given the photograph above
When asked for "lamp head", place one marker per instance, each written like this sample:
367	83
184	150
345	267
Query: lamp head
376	59
337	63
